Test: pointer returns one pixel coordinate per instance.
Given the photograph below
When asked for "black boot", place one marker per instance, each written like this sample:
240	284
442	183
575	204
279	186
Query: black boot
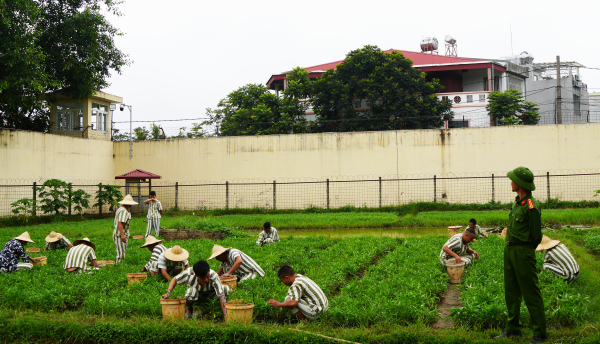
507	334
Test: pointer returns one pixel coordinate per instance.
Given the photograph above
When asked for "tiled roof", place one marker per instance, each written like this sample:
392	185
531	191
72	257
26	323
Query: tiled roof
138	174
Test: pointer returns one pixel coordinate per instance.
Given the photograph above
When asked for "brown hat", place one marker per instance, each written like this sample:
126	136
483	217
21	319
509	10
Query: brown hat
217	250
81	241
25	237
177	254
150	240
128	200
53	237
547	244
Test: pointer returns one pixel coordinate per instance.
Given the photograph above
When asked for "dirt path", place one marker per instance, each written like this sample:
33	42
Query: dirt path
450	299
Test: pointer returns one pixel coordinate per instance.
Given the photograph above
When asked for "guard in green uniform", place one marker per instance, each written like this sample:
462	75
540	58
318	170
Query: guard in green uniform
520	275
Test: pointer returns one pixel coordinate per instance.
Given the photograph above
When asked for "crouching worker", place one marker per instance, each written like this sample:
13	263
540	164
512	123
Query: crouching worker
558	259
473	224
268	235
13	250
80	255
173	261
202	283
236	263
457	247
305	298
157	249
56	241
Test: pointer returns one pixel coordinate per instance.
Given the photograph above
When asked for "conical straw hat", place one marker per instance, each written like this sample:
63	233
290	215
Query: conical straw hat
128	200
177	254
25	237
151	240
547	244
77	242
53	237
217	250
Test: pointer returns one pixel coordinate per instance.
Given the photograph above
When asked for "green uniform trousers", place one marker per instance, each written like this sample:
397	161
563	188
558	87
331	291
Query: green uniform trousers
521	282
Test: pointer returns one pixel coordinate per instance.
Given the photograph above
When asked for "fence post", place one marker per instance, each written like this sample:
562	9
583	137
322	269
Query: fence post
100	198
70	198
493	189
34	199
227	195
327	193
274	195
548	184
177	195
434	188
379	192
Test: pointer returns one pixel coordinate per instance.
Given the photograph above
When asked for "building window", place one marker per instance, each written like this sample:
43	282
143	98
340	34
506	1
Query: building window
357	104
482	98
470	98
99	117
458	124
69	116
457	99
515	84
444	98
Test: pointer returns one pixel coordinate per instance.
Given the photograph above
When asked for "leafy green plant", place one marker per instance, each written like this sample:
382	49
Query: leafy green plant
24	208
80	200
108	195
53	196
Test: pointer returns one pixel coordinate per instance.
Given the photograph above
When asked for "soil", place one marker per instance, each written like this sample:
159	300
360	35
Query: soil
450	299
185	234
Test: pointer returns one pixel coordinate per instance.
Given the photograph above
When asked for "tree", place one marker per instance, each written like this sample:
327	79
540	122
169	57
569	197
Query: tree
141	134
509	108
53	196
373	90
53	45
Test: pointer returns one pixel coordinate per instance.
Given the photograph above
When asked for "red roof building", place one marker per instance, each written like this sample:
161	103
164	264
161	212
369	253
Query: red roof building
138	174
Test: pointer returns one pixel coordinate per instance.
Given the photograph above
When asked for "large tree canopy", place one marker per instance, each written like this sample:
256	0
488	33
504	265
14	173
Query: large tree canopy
50	45
373	90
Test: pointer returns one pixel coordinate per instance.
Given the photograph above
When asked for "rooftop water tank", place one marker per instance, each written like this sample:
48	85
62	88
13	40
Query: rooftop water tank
429	44
450	40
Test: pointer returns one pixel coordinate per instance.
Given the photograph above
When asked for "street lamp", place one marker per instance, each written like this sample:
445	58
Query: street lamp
122	107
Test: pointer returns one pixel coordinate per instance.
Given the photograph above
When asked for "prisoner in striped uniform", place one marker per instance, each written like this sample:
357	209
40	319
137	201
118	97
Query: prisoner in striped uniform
80	255
305	298
121	231
56	241
173	261
236	263
558	259
13	251
457	247
267	235
154	214
157	249
473	224
202	283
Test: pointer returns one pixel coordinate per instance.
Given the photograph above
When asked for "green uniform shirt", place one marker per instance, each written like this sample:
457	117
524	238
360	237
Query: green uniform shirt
525	221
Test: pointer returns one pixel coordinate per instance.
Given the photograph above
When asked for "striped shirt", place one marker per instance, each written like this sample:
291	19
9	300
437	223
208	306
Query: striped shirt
122	215
262	237
456	245
169	265
62	244
307	290
477	230
248	264
154	209
188	278
562	257
79	256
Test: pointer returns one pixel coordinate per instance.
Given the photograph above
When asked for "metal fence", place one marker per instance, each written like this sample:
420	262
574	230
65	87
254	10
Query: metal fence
334	192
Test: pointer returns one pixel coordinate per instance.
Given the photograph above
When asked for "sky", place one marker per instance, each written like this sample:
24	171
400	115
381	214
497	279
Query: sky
188	55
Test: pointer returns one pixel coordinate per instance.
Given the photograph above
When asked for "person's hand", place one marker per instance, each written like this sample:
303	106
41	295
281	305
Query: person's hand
123	238
273	303
476	254
225	275
458	260
166	296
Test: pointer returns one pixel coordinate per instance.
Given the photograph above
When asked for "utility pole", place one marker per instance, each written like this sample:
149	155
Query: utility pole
558	93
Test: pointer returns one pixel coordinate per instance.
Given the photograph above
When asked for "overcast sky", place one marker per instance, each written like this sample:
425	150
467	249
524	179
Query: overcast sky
187	55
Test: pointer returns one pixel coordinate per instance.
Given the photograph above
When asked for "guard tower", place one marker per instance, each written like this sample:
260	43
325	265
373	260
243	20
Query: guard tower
85	118
138	184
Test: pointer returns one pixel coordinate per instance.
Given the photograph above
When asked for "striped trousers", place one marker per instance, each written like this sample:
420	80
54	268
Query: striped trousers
192	294
558	271
153	224
309	311
121	248
250	275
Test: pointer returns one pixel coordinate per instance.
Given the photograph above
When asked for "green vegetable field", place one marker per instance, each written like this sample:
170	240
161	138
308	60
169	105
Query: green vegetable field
380	290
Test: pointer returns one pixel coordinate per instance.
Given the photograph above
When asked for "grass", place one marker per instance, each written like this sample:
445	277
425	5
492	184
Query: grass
309	221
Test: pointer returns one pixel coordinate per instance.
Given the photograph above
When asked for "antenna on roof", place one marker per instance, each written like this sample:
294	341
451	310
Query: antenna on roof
450	46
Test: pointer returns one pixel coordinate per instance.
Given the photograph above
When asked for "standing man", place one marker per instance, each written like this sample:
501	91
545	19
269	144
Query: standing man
524	234
154	214
121	232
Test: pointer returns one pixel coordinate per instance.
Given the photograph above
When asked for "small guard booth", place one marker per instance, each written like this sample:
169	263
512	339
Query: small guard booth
138	184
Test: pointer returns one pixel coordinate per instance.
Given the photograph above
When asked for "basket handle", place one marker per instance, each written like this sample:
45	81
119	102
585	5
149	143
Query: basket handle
238	288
